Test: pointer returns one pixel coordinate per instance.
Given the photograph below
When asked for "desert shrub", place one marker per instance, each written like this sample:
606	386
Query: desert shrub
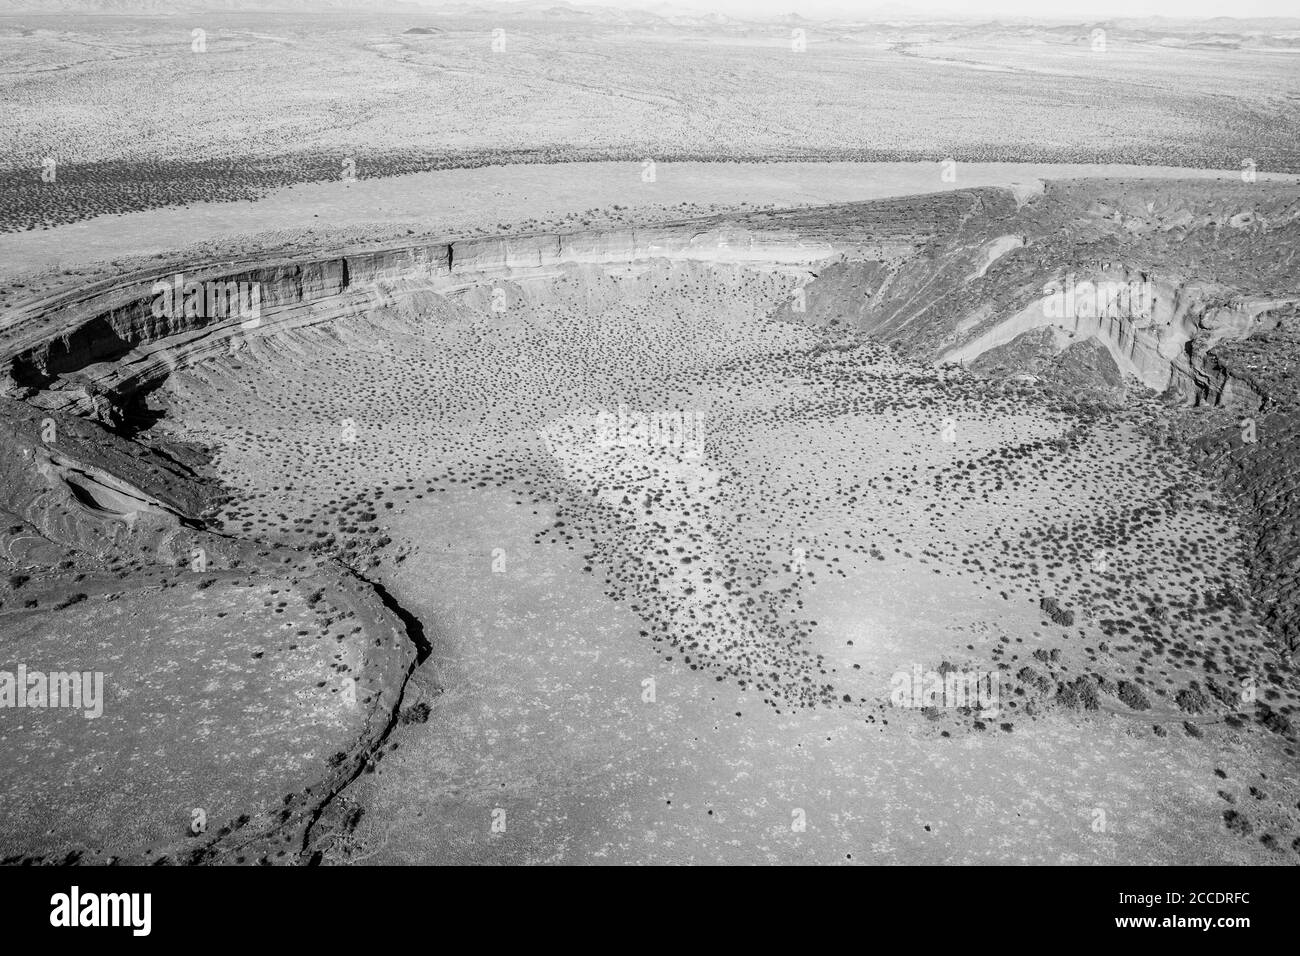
1035	680
1237	823
1058	615
1274	720
1081	692
1130	694
1192	699
415	714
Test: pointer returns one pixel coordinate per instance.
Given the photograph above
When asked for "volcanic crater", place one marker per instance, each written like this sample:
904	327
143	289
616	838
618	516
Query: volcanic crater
626	537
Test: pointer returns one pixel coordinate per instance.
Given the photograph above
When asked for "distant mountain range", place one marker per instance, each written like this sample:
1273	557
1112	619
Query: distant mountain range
164	7
667	14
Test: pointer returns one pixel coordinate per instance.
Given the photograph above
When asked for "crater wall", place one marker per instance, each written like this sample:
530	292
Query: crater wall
88	350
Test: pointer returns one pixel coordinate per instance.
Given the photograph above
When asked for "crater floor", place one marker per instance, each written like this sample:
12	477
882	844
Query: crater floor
684	643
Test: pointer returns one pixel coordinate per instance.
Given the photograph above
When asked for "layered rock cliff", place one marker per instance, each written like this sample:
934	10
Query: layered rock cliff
89	350
1159	273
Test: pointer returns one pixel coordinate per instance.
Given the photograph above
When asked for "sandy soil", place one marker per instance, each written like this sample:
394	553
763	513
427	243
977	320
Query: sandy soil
223	694
458	202
264	85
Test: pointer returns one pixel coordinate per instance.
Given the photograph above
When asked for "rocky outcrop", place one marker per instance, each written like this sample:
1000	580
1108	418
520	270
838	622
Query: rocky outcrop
1158	329
70	486
1161	274
1083	368
108	563
992	251
87	352
1251	367
1255	456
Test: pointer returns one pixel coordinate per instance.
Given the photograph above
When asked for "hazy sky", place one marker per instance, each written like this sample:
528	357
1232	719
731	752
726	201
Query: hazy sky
1070	9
